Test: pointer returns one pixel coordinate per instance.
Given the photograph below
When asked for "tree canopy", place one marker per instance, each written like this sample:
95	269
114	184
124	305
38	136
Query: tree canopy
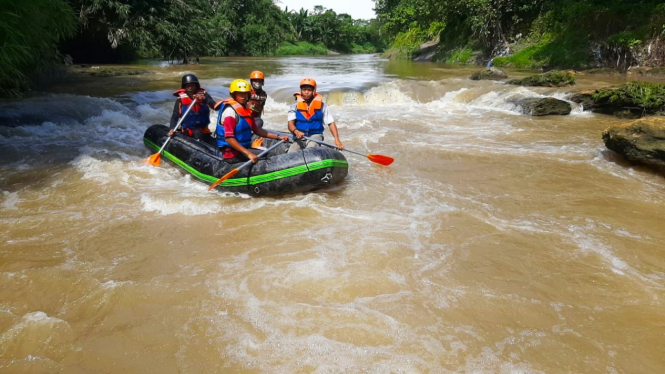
566	33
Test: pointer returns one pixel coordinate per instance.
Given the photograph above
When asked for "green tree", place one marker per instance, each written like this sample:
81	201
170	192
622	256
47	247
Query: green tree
29	33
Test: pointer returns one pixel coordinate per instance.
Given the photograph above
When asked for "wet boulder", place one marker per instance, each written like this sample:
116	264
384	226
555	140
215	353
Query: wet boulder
490	73
641	141
552	78
427	51
543	106
583	97
631	100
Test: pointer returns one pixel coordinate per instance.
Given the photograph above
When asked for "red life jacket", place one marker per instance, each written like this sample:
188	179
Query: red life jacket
199	116
256	102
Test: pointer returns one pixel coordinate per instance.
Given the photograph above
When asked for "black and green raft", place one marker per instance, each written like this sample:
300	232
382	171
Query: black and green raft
279	173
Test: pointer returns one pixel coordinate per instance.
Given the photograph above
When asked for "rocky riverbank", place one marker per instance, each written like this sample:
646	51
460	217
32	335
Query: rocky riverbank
641	142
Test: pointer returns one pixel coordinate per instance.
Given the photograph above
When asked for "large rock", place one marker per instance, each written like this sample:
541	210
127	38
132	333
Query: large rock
641	141
427	50
633	99
489	74
552	78
543	106
584	98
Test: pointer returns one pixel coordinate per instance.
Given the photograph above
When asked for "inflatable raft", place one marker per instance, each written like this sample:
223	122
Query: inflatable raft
278	173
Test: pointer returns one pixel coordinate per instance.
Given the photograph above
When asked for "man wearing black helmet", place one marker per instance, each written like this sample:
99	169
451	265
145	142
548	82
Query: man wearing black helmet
196	123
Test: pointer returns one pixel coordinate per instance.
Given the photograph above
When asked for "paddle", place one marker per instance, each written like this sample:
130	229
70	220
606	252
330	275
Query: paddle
379	159
155	159
236	170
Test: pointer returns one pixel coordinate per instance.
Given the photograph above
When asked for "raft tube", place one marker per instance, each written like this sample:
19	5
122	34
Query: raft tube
279	173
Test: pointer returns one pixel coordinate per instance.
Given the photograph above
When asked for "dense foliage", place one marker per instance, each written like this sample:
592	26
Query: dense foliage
179	30
28	34
530	33
649	96
36	33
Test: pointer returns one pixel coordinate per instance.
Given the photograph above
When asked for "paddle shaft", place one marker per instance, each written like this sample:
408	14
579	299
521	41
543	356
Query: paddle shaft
379	159
177	126
317	141
246	164
332	145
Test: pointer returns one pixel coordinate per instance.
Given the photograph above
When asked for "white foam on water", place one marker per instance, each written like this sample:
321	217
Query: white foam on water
582	236
150	97
154	114
10	200
28	323
388	93
174	205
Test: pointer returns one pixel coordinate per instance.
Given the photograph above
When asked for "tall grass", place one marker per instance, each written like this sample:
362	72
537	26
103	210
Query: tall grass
29	33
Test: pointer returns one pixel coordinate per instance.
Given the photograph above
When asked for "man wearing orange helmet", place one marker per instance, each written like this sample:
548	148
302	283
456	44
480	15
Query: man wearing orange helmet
257	99
235	125
308	115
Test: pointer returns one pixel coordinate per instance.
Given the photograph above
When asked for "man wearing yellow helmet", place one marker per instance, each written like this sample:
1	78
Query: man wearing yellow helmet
308	115
236	124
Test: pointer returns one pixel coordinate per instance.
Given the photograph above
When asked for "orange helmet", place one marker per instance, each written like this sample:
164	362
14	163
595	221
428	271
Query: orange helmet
256	75
308	82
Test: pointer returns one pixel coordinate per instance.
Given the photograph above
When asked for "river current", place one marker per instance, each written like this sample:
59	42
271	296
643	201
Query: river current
495	243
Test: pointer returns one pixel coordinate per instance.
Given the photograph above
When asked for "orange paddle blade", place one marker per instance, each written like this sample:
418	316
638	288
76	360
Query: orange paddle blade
154	159
257	143
225	177
381	159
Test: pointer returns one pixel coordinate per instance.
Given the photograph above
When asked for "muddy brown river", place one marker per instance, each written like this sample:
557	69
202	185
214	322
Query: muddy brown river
496	242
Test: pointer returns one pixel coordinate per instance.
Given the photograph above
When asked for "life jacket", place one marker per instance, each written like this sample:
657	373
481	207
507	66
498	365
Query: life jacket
309	119
256	102
243	130
198	117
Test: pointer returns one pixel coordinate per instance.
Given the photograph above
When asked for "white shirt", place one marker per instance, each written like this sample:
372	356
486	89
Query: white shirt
228	112
327	117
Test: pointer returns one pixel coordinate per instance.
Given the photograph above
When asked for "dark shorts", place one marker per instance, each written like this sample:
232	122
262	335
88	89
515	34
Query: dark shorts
241	157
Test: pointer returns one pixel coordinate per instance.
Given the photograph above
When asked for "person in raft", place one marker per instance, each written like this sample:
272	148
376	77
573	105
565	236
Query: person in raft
258	97
236	124
308	115
196	123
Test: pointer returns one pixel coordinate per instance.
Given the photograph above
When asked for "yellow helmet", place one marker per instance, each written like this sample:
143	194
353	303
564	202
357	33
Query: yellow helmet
240	85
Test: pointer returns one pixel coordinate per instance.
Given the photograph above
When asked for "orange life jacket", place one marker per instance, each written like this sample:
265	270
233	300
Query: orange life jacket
309	118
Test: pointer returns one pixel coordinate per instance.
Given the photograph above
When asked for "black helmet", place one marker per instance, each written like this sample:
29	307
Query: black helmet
189	78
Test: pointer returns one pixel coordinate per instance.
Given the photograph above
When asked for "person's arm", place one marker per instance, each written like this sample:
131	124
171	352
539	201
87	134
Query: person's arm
209	100
333	130
229	135
175	116
235	145
330	121
261	132
291	117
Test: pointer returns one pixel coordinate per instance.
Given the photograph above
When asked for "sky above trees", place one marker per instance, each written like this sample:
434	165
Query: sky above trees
358	9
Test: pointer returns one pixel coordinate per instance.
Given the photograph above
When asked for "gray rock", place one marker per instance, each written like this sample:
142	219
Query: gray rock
584	98
489	74
427	51
641	141
552	78
544	106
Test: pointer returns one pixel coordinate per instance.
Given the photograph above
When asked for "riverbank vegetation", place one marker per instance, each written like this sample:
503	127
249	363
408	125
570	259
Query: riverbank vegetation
29	32
38	33
529	33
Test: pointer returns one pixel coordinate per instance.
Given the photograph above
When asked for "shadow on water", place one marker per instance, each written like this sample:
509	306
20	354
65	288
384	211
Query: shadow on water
621	161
